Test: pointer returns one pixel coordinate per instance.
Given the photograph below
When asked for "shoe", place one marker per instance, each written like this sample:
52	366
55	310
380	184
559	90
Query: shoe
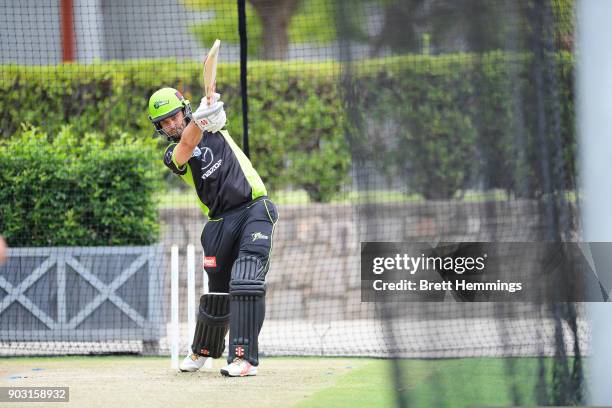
193	362
239	368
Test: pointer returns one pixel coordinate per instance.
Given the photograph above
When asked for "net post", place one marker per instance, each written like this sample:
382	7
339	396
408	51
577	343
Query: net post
204	280
191	314
242	30
208	362
174	305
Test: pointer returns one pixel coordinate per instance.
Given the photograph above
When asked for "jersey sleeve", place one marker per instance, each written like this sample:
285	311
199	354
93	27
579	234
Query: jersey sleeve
171	163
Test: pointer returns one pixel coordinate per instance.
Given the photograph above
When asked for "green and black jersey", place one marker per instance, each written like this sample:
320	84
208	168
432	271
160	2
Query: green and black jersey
220	172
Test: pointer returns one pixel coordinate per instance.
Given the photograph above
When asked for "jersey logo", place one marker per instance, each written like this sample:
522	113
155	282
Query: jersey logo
196	152
210	171
258	235
210	261
207	158
168	157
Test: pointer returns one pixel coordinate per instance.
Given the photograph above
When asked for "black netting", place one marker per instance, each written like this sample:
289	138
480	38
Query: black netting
459	128
377	121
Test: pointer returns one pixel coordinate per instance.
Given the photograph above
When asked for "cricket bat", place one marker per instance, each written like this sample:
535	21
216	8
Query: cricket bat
210	70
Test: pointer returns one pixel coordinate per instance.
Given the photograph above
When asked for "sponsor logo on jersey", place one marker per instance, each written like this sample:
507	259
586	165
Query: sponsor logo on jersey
258	235
210	261
214	168
168	157
196	152
207	158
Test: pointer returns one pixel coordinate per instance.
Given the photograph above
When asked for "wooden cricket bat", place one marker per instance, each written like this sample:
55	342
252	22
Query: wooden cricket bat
210	70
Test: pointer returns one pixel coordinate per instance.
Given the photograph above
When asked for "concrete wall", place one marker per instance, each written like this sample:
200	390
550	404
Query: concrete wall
315	268
30	32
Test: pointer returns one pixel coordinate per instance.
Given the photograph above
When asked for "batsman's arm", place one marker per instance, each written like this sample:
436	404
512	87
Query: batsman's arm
189	140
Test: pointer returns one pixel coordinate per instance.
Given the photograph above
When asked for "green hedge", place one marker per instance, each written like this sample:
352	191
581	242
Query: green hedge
444	112
73	190
295	140
467	121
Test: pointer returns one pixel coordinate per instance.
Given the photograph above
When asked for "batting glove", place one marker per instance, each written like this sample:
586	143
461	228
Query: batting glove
210	118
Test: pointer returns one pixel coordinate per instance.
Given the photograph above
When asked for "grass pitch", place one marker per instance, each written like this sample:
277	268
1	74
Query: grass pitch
133	381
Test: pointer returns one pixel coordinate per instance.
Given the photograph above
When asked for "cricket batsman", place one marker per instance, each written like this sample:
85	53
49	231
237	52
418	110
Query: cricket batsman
237	239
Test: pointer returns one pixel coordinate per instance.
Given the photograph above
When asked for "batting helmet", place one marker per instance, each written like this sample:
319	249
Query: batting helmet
165	103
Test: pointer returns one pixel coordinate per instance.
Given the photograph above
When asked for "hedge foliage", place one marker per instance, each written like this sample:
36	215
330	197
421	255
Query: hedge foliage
296	120
457	122
437	115
73	190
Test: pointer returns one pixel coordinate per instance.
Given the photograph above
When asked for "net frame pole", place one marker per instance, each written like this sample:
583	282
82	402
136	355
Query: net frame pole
191	298
67	22
242	31
174	307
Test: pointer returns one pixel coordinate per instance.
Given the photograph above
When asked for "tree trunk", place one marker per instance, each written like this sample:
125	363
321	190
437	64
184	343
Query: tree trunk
275	17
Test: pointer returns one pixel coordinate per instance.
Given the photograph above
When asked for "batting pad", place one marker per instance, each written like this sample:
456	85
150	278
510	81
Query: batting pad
212	325
247	305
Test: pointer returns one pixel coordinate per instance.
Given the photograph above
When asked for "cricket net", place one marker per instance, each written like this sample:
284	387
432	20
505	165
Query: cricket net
368	120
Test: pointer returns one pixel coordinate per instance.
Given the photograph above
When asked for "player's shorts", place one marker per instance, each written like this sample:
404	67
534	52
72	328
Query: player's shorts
244	231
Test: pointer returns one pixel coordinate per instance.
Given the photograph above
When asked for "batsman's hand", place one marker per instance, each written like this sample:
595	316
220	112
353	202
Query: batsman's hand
210	117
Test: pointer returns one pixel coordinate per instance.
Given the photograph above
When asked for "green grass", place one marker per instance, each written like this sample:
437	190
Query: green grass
449	383
303	382
370	386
